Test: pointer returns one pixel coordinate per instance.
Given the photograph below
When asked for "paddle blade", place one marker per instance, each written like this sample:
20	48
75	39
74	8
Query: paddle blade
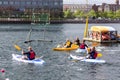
99	55
17	47
88	50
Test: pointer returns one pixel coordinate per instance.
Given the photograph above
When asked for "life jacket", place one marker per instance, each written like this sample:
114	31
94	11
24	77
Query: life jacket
32	55
68	44
95	55
82	46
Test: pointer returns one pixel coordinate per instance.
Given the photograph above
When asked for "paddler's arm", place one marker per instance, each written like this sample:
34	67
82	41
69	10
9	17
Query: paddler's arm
86	45
24	52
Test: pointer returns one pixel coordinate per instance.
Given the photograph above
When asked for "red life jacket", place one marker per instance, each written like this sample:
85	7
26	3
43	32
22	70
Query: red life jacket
82	46
32	55
95	55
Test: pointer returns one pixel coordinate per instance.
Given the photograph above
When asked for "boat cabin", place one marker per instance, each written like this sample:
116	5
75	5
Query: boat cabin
102	34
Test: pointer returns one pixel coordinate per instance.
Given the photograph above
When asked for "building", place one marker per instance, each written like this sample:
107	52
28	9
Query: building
95	7
107	7
14	8
74	7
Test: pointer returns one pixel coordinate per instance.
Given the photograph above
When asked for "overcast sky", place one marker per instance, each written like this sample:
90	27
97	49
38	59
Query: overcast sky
89	1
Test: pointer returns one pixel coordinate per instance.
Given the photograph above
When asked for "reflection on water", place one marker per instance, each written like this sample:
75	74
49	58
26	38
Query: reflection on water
105	44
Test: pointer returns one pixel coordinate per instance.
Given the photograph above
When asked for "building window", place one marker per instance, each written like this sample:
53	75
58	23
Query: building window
34	3
28	3
22	3
0	2
61	3
17	3
5	2
11	2
51	4
40	3
56	3
46	3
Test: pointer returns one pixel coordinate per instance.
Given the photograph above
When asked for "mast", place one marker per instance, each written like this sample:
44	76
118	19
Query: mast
86	26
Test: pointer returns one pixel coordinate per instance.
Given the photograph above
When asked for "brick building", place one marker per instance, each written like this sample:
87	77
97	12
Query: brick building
74	7
107	7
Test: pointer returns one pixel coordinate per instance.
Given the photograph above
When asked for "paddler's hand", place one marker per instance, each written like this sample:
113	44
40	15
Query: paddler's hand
22	51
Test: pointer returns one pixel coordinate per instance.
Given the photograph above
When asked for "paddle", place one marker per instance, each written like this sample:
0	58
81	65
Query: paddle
17	47
99	55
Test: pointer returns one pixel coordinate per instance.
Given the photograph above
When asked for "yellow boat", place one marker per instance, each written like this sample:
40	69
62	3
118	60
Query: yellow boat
102	34
73	47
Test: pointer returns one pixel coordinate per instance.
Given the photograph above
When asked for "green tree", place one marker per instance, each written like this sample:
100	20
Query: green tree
67	14
101	14
117	14
110	14
92	13
78	14
104	14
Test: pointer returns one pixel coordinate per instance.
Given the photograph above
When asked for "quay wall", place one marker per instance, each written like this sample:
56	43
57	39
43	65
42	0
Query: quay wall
27	21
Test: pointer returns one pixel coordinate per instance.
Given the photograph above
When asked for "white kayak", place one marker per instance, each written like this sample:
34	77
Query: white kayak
86	60
81	51
19	58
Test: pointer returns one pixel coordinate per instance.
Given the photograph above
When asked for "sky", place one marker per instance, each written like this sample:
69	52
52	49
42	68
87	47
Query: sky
89	1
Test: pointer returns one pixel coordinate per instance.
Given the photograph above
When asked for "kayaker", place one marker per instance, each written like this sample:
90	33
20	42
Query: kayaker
77	41
83	45
93	53
68	43
30	55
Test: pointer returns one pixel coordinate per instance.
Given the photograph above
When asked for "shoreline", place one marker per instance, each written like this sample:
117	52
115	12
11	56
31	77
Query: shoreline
22	21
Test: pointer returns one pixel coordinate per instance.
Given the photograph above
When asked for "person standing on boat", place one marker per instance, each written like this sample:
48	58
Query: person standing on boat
83	45
93	53
30	55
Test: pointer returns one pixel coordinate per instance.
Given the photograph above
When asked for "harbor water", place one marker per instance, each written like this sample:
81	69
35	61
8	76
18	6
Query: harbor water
58	66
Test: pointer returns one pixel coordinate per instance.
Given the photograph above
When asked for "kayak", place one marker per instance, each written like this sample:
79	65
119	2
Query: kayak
81	51
19	58
86	60
64	49
73	47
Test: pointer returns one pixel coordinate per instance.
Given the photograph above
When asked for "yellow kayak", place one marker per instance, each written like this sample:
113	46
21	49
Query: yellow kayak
73	47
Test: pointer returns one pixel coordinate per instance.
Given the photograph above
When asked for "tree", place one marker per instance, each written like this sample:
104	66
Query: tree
110	14
92	13
67	14
78	14
117	14
101	14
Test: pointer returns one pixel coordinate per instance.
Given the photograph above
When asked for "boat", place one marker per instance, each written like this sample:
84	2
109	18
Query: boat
73	47
81	51
79	58
102	34
35	61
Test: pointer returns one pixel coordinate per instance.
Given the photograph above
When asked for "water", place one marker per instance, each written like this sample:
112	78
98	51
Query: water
58	66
